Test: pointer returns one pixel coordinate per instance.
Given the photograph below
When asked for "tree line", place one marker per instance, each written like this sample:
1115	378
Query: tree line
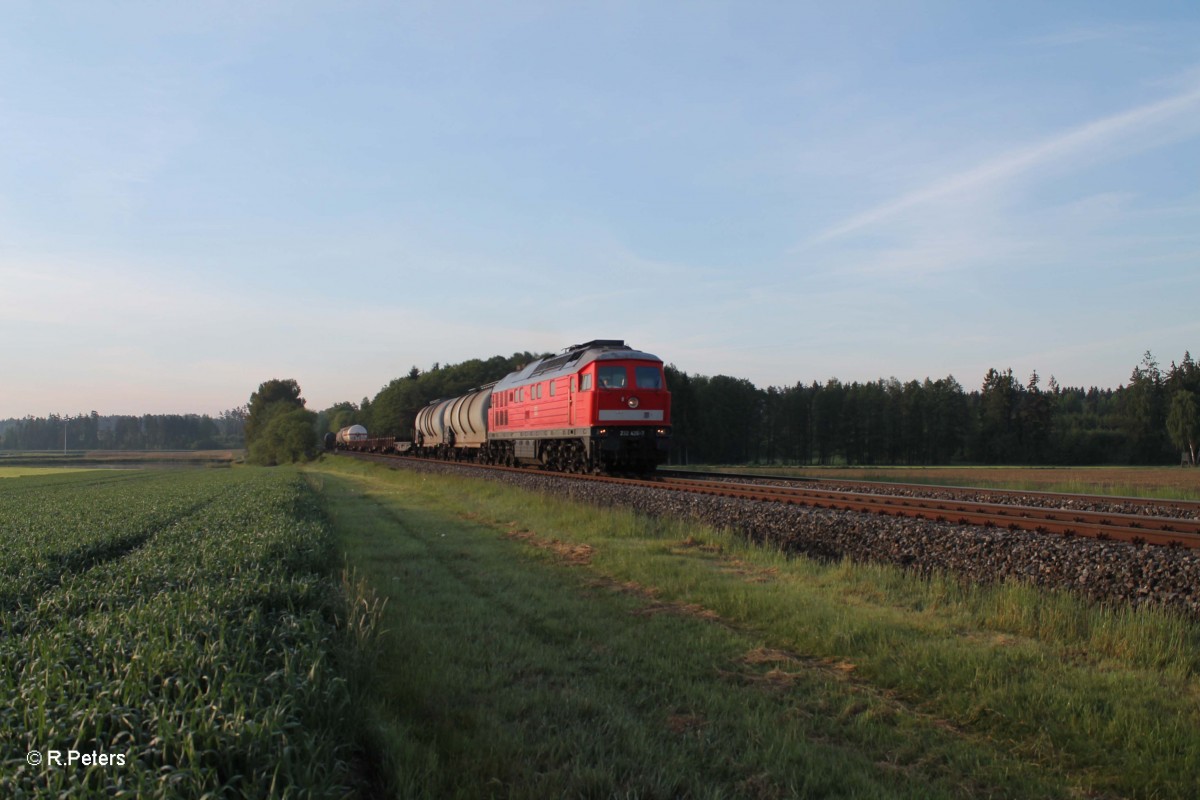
722	419
123	432
1151	420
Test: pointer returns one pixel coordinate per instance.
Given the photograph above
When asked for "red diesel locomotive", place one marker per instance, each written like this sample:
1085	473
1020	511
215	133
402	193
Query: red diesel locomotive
598	406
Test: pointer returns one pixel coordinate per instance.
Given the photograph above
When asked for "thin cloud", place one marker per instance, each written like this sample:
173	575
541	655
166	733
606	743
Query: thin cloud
1091	136
1088	34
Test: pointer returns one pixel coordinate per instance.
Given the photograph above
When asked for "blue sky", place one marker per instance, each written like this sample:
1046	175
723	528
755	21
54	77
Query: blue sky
195	198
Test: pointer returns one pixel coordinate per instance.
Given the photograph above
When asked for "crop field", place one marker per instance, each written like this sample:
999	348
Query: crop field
170	634
119	458
21	472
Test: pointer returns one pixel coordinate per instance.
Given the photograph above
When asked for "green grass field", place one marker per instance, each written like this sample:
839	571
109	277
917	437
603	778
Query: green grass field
350	630
538	648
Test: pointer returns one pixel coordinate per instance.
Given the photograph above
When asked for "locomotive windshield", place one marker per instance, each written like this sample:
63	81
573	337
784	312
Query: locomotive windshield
611	377
648	378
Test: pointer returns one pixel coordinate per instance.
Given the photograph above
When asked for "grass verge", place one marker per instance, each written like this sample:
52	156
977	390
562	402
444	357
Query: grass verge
540	648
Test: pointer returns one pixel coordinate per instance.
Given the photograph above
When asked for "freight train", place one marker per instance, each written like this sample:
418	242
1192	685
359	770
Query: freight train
600	406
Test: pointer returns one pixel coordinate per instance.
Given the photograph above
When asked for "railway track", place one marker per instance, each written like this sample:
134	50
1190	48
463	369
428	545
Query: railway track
1136	529
1180	509
1133	528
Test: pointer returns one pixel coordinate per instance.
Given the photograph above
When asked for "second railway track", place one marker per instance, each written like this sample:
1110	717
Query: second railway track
1133	528
1136	529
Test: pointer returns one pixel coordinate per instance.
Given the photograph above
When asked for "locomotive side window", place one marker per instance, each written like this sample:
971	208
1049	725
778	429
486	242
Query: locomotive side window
648	378
586	385
611	377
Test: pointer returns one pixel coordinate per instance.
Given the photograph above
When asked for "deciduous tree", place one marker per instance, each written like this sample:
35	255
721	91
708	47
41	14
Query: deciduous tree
279	429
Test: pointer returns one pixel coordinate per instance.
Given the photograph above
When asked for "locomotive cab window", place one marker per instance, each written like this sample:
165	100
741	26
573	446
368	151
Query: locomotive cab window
648	378
611	377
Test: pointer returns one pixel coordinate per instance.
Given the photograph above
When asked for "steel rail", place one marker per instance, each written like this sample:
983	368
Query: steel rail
1134	528
881	487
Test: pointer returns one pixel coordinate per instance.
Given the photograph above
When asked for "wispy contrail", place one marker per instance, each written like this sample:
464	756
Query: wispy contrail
1018	161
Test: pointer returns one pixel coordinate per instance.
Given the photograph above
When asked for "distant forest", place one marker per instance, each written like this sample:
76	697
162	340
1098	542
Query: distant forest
724	420
147	432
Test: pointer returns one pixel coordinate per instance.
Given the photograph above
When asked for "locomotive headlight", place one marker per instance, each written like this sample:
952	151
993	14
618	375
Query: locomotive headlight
633	402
